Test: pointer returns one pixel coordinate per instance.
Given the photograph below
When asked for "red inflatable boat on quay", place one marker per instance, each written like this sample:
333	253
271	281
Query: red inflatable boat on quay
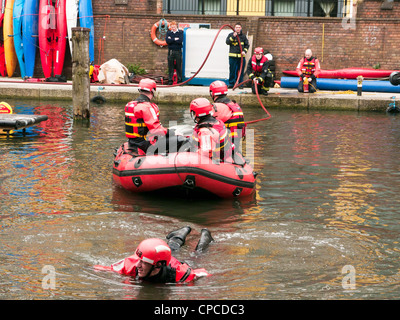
182	170
348	73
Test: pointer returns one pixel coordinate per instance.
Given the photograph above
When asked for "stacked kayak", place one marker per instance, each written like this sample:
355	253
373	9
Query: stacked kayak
86	21
9	49
24	36
348	73
72	9
30	35
17	34
344	85
181	170
3	70
52	36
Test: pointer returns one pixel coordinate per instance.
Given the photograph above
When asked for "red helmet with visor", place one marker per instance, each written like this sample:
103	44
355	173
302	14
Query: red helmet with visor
258	50
218	88
148	85
154	251
201	107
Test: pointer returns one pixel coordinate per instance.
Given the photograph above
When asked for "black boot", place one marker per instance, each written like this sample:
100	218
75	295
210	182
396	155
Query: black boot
176	238
204	241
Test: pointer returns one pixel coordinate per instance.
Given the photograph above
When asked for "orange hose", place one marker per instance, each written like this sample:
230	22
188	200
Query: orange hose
239	73
262	106
205	60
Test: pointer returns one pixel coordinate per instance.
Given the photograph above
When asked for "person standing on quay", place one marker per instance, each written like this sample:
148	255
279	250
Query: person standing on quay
237	56
174	39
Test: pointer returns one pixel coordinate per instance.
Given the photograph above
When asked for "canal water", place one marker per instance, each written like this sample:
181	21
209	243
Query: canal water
323	223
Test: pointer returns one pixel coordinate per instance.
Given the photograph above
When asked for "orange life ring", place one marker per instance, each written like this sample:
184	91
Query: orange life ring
5	108
154	37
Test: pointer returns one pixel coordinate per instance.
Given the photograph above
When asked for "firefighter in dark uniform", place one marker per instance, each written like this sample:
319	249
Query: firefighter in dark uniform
258	71
236	57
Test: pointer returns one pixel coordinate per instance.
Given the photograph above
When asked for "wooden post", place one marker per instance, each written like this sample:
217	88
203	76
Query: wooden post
80	73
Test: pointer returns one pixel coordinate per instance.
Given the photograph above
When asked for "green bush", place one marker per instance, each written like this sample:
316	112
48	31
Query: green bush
136	69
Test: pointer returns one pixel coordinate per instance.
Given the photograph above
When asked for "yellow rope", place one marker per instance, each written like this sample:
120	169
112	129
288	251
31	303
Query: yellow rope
337	92
323	41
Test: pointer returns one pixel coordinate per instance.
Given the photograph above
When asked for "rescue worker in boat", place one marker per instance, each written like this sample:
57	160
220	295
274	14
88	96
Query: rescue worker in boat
153	260
210	135
142	123
258	71
230	113
236	57
308	70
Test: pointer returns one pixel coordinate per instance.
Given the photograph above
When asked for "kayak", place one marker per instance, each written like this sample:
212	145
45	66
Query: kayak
348	73
344	85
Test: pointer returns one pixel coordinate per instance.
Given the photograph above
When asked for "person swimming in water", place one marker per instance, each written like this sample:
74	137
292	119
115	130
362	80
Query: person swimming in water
153	260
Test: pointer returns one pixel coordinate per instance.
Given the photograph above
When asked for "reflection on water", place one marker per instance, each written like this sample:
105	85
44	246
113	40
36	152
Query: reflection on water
327	197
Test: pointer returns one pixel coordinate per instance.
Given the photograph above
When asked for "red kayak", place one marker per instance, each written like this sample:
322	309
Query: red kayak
349	73
182	170
52	36
3	70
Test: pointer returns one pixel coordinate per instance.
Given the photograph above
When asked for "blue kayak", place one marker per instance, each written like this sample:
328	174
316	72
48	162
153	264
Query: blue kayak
86	21
344	85
17	30
30	34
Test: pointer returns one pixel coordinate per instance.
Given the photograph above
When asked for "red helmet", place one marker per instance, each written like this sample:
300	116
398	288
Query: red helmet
201	107
258	50
147	85
153	251
218	88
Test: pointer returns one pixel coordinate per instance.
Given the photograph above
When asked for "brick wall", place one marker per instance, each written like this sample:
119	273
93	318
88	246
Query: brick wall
123	32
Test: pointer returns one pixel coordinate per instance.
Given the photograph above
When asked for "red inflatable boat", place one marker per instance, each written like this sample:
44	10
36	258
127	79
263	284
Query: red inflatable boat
348	73
182	170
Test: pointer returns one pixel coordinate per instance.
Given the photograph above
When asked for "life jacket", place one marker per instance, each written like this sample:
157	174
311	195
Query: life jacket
135	112
236	123
94	73
232	115
176	271
257	65
212	138
309	66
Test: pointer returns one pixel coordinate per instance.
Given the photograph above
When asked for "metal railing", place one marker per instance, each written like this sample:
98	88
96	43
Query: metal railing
299	8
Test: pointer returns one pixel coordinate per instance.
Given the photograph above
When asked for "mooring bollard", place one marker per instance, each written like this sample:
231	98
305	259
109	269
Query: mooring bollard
359	85
80	73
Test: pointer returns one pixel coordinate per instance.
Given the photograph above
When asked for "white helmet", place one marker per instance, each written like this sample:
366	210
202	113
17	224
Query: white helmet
269	56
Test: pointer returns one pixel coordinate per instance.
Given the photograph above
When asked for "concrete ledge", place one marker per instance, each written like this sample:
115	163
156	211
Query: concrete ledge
183	95
325	102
